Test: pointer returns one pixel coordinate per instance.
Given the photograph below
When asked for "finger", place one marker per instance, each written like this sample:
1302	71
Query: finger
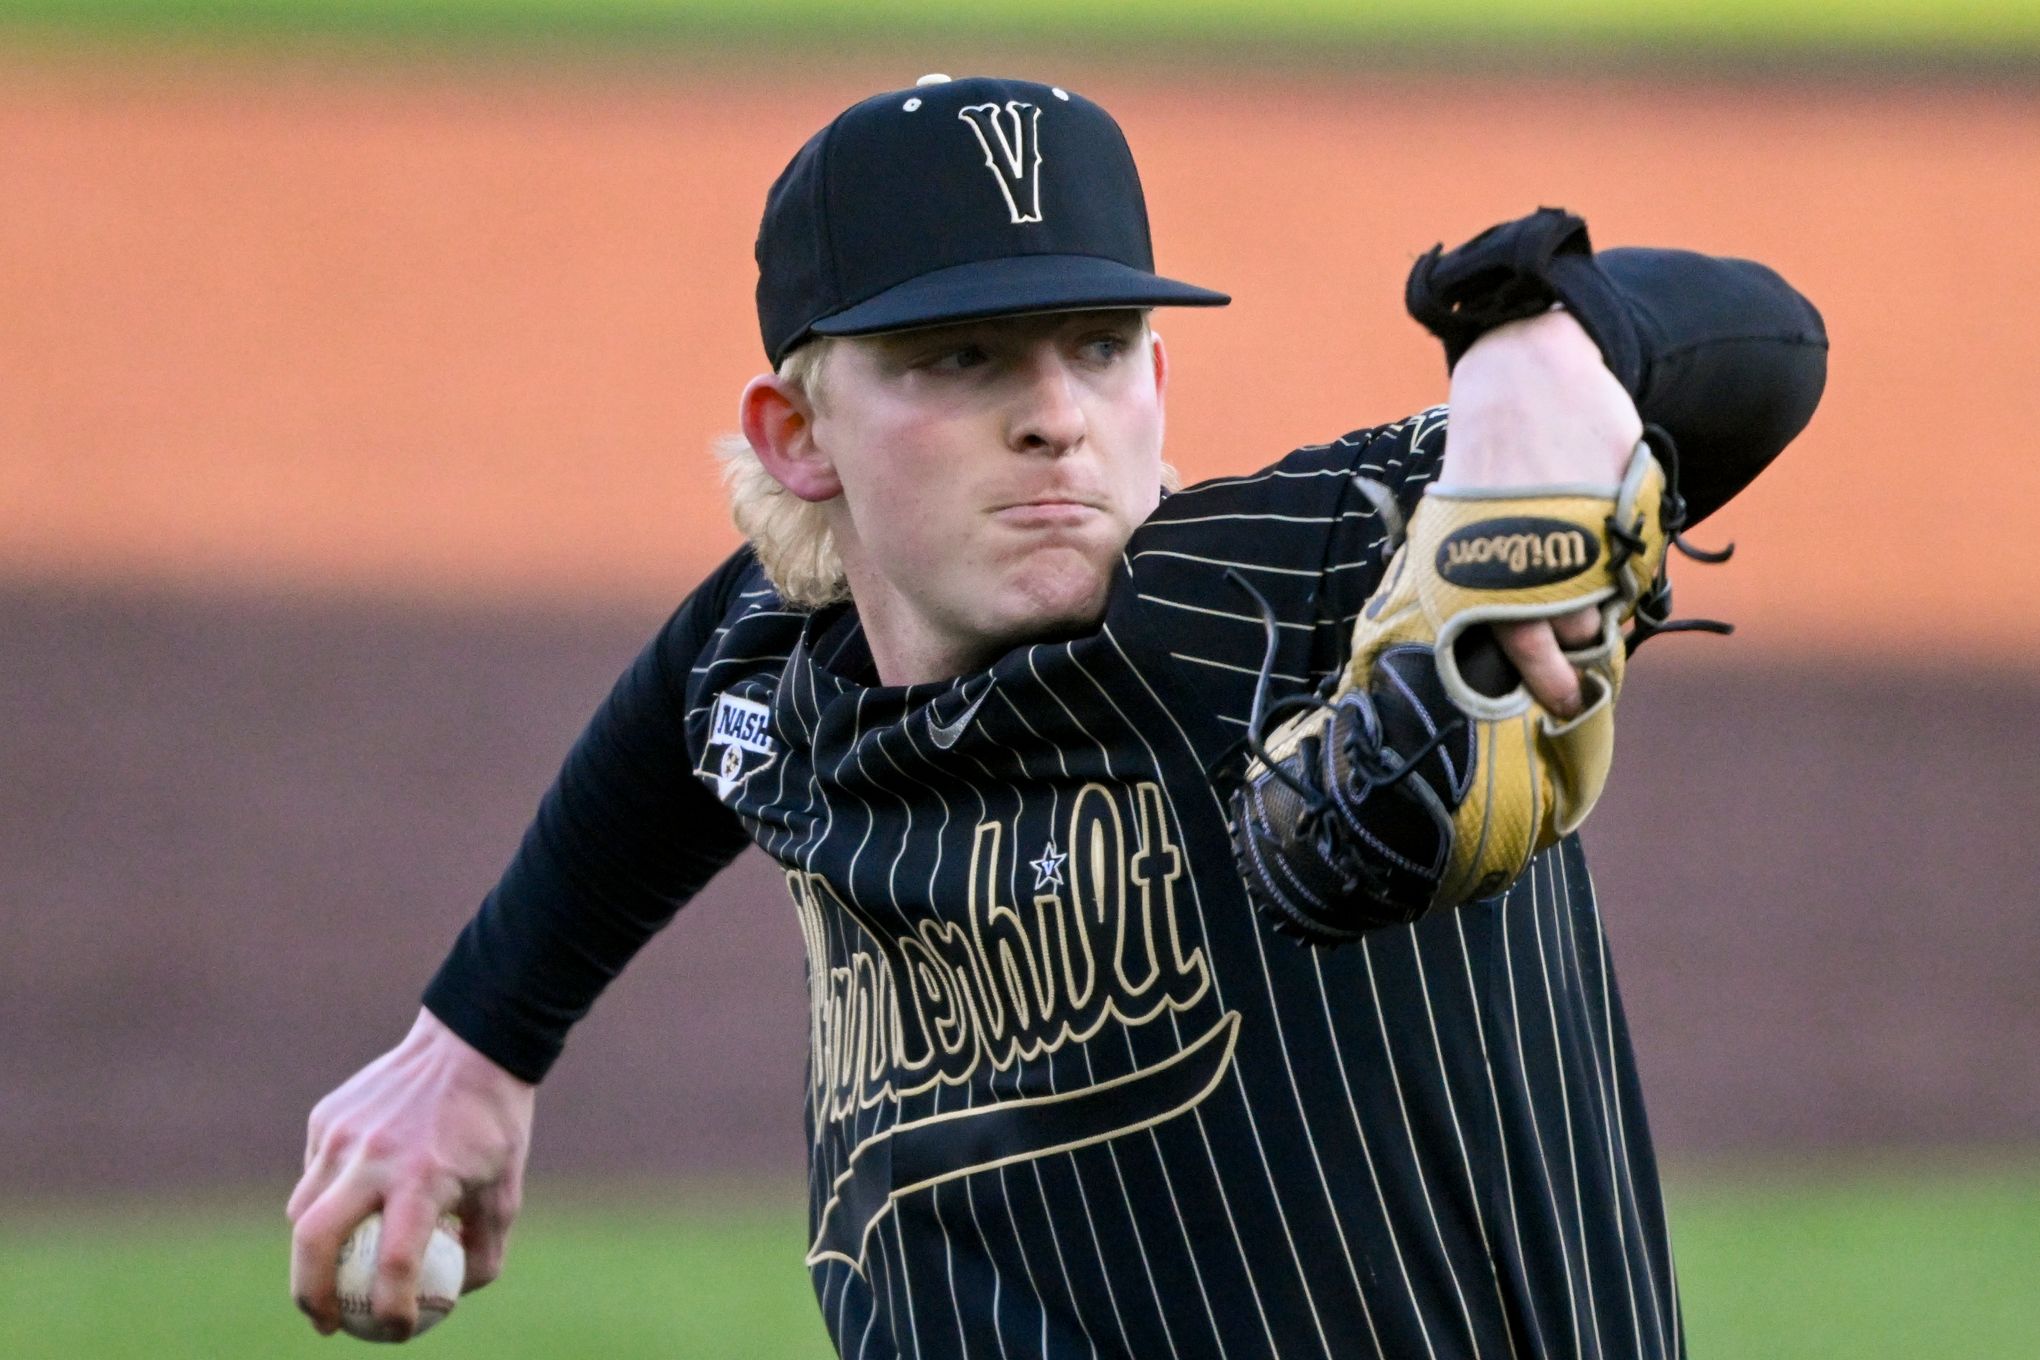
1581	628
485	1233
408	1220
315	1248
1533	648
308	1189
322	1164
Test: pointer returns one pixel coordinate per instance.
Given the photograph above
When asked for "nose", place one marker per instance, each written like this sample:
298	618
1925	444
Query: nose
1047	415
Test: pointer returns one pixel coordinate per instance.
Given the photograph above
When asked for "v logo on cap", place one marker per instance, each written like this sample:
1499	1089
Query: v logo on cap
1016	165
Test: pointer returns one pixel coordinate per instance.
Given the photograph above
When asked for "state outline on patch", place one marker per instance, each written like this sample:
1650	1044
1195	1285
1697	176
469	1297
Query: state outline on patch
743	729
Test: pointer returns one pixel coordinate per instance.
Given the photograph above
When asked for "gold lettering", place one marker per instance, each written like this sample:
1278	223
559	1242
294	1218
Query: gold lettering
894	1012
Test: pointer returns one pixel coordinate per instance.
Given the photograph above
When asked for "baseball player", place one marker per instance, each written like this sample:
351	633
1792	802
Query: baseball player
1019	724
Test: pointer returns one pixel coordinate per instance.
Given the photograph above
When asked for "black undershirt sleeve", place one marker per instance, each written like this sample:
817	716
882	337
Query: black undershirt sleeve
625	836
1734	361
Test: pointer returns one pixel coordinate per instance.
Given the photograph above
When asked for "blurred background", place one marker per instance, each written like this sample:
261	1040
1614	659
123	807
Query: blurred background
358	364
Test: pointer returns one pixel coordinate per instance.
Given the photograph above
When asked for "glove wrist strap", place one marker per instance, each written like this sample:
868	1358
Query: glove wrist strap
1517	270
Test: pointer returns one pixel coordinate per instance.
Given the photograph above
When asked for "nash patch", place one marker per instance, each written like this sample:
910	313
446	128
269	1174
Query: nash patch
1511	553
742	729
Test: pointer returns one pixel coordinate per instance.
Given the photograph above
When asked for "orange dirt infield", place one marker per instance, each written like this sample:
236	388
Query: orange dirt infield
466	334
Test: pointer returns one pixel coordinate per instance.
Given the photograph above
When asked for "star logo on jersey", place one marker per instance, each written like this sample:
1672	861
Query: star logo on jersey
742	730
1048	869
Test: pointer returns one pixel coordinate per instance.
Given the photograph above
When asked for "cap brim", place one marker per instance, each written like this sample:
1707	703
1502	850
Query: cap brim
1013	286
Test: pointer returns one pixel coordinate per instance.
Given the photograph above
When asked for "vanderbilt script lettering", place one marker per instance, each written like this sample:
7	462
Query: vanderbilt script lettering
899	1012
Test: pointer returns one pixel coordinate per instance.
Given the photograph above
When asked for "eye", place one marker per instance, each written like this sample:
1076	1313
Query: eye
1106	349
956	359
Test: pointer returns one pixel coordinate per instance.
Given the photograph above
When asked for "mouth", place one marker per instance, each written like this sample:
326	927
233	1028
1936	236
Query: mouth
1046	512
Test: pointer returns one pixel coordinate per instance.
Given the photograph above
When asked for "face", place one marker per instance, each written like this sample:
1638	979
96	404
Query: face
990	474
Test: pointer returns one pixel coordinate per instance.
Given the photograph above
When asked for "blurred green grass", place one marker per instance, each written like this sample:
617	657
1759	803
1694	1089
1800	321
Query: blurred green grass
608	1276
1869	1263
1990	30
1896	1262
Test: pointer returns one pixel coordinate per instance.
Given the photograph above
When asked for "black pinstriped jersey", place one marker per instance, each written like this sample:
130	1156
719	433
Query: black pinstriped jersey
1067	1094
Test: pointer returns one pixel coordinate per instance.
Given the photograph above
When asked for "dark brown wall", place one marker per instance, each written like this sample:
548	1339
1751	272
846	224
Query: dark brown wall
236	833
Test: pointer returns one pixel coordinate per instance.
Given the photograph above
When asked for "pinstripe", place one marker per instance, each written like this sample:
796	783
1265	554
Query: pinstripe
935	1192
1604	1082
1522	1074
1540	887
1062	1262
712	667
1306	573
1678	1308
1473	1189
871	1318
1416	1154
1104	1269
1020	1238
905	1276
1055	1238
1270	517
1133	1218
1225	614
1237	670
1026	1265
998	1276
1626	1177
970	1192
870	824
1269	474
949	1261
1373	1175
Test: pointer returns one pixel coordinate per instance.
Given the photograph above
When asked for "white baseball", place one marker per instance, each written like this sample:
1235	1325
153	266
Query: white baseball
439	1279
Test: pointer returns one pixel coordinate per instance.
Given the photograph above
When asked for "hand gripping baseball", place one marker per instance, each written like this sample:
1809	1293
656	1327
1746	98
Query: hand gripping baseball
430	1127
1429	776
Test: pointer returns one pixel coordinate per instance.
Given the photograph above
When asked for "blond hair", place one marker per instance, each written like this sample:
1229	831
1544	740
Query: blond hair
792	537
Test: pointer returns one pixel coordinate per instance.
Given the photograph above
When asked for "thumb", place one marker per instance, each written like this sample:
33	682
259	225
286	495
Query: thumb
1533	649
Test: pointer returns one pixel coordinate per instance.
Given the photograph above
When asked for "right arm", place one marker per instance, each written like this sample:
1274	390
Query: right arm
625	836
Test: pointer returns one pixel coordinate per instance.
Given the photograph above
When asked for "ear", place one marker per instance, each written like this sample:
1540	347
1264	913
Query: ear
1161	358
779	423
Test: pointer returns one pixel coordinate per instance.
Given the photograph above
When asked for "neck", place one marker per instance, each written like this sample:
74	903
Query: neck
905	649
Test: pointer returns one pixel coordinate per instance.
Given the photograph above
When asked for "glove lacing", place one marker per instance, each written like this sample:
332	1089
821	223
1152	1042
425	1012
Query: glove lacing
1378	767
1362	745
1653	608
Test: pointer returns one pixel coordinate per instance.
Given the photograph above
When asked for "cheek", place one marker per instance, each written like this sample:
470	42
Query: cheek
905	502
1137	461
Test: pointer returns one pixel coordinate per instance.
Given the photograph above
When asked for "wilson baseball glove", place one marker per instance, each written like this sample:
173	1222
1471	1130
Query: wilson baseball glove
1425	775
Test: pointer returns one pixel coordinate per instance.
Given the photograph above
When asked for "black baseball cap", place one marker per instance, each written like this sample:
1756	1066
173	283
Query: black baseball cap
954	200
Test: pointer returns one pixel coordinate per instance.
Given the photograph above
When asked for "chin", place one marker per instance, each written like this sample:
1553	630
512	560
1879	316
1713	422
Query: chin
1070	597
